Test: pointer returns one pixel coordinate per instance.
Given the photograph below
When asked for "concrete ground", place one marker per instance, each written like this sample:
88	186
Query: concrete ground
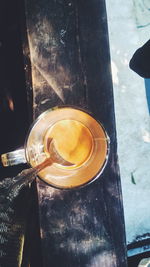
129	28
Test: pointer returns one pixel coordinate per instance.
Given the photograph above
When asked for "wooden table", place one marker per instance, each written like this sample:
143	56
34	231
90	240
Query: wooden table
67	62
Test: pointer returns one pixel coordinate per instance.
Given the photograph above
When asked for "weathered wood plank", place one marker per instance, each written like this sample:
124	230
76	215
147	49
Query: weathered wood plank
70	62
57	71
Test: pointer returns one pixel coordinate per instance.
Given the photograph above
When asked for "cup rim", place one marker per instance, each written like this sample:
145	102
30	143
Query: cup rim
99	172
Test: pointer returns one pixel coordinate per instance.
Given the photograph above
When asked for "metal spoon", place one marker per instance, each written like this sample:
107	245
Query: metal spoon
53	158
28	175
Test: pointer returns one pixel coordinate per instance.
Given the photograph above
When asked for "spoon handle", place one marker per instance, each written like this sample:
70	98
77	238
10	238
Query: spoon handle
47	162
24	178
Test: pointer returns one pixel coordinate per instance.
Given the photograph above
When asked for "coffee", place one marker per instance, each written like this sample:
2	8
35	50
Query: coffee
73	141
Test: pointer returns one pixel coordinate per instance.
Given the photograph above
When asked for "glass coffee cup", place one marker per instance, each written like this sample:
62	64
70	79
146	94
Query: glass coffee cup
77	138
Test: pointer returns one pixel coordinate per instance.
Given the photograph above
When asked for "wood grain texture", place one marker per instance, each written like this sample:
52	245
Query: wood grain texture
70	62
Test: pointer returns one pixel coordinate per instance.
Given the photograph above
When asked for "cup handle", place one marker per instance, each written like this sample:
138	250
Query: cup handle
13	158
